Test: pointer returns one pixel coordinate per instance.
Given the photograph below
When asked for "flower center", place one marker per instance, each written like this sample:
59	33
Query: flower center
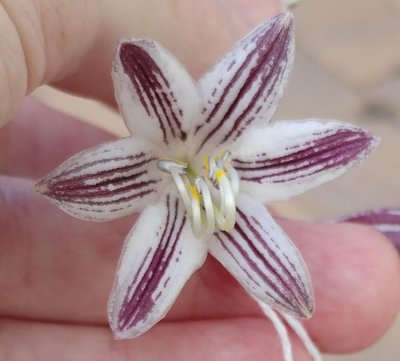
210	200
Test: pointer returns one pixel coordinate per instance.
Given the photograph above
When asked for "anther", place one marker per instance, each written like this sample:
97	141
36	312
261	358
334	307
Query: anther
210	202
168	166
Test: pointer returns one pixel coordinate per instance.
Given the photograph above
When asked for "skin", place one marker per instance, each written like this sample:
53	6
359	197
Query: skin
56	272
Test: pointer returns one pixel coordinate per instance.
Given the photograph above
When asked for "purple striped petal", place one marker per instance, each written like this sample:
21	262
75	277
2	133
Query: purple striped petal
157	97
106	182
160	254
289	158
244	88
384	220
264	260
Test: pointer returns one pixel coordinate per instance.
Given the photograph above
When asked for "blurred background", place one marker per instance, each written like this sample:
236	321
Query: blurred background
347	67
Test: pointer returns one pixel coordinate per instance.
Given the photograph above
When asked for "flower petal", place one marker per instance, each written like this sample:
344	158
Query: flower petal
244	88
264	260
157	97
160	255
384	220
106	182
288	158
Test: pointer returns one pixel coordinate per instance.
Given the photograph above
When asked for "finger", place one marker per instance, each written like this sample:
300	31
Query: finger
46	41
217	340
42	41
40	138
59	268
356	277
56	267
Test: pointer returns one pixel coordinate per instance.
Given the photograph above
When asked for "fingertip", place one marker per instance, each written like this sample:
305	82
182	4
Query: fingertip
357	287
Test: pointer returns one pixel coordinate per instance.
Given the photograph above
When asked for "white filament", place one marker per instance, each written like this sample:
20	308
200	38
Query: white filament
228	206
196	217
180	185
202	188
210	202
234	178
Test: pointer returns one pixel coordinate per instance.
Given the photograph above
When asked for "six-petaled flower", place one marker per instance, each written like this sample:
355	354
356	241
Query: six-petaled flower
202	161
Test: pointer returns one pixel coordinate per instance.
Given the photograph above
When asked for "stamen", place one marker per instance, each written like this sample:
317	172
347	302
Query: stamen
169	165
210	202
196	213
228	206
233	176
182	190
202	188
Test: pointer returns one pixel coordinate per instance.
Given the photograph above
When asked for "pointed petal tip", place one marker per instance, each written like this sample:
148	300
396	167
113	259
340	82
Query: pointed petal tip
374	140
135	42
303	308
121	334
299	305
307	312
368	142
298	309
286	19
119	331
41	187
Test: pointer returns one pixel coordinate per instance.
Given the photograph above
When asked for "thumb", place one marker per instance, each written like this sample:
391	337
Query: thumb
42	41
71	43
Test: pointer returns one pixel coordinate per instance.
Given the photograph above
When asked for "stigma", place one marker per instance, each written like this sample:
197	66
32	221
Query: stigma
209	199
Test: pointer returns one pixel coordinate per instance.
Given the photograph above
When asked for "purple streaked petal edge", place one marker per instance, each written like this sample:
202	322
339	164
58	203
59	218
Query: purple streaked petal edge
244	88
384	220
105	182
288	158
333	150
159	255
156	95
264	260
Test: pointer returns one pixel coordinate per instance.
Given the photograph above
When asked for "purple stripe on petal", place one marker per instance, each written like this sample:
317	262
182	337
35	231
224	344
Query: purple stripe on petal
330	151
75	168
384	220
105	182
289	269
156	95
119	186
247	261
138	304
159	256
153	89
237	260
288	158
251	87
264	260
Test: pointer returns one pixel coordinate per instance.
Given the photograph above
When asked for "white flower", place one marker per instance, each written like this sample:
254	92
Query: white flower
191	206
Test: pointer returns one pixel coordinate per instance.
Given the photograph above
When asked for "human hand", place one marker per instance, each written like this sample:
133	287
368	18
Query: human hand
58	271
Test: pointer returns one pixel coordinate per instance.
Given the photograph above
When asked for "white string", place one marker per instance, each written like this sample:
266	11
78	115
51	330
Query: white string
302	334
296	326
280	329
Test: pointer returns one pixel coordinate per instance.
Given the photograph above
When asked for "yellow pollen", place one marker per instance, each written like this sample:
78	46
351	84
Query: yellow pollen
219	174
194	193
210	200
206	165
